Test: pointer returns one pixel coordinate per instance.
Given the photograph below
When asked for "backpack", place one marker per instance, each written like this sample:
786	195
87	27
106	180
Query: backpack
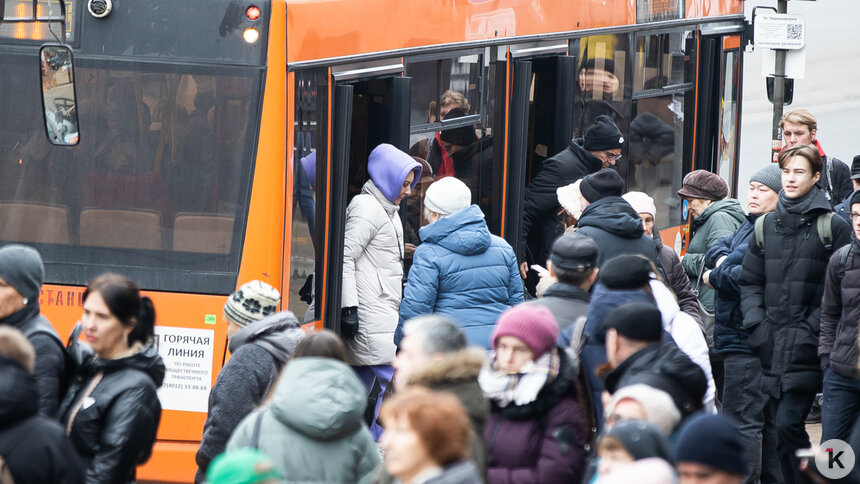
823	223
843	258
40	325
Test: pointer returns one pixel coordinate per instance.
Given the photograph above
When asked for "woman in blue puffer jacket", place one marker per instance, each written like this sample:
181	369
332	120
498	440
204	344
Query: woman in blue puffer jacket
460	269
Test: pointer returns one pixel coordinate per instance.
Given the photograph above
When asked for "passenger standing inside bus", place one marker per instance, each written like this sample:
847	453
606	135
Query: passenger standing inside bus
460	270
260	343
599	148
373	266
439	158
21	276
111	411
799	127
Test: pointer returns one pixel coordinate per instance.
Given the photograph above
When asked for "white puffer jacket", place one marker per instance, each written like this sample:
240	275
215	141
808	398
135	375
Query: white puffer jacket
373	274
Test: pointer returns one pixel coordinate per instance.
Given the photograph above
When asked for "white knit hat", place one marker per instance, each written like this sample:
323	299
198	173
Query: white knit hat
251	302
641	202
658	406
569	198
447	195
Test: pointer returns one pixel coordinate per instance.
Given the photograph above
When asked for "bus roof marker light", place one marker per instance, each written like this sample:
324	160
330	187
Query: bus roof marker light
99	8
251	35
253	13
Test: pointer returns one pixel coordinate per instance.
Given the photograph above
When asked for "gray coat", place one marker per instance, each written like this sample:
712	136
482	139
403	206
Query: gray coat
259	351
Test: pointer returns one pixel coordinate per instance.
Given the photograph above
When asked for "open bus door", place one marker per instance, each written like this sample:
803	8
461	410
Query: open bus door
541	124
367	111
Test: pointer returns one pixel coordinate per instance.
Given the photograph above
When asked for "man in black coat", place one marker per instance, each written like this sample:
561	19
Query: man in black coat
639	352
782	281
610	221
599	148
36	449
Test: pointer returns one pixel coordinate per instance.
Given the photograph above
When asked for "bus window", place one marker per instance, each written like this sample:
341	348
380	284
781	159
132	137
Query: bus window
308	169
656	153
661	61
603	83
453	135
727	141
58	95
157	187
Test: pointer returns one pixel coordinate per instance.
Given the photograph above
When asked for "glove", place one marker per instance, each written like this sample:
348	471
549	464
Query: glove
825	362
349	322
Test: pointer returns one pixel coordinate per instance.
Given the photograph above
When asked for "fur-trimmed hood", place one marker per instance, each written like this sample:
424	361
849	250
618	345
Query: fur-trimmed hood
457	373
454	367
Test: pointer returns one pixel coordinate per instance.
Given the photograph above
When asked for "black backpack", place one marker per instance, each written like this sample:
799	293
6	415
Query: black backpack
40	325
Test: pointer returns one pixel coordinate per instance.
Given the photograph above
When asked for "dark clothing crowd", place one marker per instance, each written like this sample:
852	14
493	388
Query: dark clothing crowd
618	360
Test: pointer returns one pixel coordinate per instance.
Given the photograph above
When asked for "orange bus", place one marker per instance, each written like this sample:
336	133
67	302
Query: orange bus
194	145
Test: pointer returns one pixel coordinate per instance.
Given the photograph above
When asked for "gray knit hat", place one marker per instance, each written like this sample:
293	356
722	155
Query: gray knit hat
21	267
769	176
251	302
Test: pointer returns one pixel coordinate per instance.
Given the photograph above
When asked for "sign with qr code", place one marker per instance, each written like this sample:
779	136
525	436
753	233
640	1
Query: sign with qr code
780	31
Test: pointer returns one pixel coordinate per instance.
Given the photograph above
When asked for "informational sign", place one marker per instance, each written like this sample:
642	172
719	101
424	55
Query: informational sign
187	354
656	10
779	31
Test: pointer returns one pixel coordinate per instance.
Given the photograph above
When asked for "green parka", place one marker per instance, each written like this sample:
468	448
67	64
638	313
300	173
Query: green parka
314	430
719	220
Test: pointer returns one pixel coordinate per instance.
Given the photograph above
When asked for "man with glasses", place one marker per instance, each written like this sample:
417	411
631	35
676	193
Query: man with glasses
600	148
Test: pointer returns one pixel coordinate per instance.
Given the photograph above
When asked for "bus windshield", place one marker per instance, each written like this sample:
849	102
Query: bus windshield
158	186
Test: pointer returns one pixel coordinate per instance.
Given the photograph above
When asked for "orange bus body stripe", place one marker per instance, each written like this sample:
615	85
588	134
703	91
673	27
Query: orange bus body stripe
322	308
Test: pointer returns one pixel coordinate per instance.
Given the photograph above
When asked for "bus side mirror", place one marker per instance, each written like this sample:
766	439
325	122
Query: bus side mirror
58	95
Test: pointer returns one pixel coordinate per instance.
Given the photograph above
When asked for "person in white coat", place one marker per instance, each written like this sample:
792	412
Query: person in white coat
373	266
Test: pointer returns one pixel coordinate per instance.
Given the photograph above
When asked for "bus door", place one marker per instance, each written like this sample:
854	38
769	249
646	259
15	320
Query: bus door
370	107
541	113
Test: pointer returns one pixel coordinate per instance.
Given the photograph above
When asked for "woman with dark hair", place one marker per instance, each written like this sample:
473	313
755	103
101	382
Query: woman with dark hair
323	344
111	411
427	438
313	427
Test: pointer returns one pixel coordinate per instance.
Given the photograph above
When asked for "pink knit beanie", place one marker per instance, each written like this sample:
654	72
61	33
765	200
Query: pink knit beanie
534	325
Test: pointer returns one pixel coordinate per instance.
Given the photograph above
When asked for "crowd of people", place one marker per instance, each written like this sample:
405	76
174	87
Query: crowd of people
632	364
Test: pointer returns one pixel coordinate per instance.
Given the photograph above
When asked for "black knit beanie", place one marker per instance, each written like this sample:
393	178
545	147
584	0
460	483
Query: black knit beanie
605	183
712	440
637	321
21	267
603	135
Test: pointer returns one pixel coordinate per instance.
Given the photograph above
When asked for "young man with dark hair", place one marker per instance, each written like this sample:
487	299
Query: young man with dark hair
781	285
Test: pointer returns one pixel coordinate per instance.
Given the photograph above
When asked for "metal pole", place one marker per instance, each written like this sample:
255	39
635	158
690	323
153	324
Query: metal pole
778	90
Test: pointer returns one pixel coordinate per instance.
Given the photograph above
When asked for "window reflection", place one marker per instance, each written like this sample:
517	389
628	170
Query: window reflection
728	112
602	86
308	170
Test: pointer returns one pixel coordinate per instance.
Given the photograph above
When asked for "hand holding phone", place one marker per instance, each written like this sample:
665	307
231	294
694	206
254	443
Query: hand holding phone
540	270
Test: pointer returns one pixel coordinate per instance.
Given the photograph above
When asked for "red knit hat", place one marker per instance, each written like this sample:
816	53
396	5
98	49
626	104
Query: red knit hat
533	325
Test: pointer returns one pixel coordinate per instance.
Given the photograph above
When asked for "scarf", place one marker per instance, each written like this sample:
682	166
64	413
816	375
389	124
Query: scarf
798	205
520	388
22	316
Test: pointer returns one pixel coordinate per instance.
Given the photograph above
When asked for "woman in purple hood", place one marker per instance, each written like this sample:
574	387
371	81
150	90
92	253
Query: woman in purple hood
373	265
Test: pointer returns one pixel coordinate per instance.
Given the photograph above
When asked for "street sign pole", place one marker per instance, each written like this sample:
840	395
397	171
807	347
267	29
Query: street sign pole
778	91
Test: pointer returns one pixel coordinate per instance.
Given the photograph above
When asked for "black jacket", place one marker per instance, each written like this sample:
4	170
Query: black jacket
835	180
34	447
617	229
50	374
840	314
115	428
677	280
258	353
665	367
729	335
781	288
541	222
